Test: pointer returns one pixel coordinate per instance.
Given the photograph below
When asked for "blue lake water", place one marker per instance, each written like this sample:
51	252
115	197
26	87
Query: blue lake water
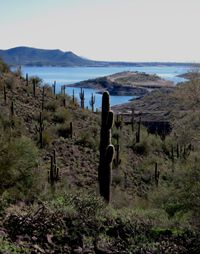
71	75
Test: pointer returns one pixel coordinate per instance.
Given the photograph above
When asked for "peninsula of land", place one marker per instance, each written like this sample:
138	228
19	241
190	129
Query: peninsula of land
126	83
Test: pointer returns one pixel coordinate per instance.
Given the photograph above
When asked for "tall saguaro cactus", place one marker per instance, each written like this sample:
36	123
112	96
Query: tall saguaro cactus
40	130
71	130
26	79
82	98
54	87
156	174
132	118
92	101
34	87
106	148
117	160
12	112
138	131
119	122
73	97
5	95
43	95
54	170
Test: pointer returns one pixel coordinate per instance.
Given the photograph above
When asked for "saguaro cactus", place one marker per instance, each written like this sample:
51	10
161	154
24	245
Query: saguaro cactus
138	132
92	102
71	129
119	122
54	87
172	153
132	118
61	90
43	95
73	97
26	79
156	174
5	95
12	112
34	87
82	98
106	148
40	130
117	160
64	102
64	90
54	170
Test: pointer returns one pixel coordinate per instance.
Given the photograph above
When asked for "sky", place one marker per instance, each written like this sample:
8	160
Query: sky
114	30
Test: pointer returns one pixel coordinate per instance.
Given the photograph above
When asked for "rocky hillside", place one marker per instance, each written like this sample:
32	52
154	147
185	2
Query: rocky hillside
155	179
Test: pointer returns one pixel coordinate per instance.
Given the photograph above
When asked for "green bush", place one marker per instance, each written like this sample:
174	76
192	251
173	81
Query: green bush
9	247
87	140
51	106
46	116
141	148
47	138
61	115
18	160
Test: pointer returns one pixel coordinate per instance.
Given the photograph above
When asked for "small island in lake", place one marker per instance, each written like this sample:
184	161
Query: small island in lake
126	83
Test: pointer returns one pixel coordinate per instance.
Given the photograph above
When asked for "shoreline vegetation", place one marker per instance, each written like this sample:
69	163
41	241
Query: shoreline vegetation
49	170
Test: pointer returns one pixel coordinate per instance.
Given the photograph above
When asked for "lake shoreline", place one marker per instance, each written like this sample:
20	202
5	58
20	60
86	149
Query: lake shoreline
71	75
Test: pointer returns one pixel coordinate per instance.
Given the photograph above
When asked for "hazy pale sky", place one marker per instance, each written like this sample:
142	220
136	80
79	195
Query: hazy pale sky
127	30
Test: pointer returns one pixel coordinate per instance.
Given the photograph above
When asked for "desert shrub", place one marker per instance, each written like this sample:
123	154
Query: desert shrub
63	130
94	130
46	139
9	247
141	148
45	115
74	104
61	115
181	193
155	143
11	127
61	97
36	79
18	159
87	140
186	129
149	143
51	106
188	94
3	67
84	115
5	200
167	145
9	81
86	219
117	178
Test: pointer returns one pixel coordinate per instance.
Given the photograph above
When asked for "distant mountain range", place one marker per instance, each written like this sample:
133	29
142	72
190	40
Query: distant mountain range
42	57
